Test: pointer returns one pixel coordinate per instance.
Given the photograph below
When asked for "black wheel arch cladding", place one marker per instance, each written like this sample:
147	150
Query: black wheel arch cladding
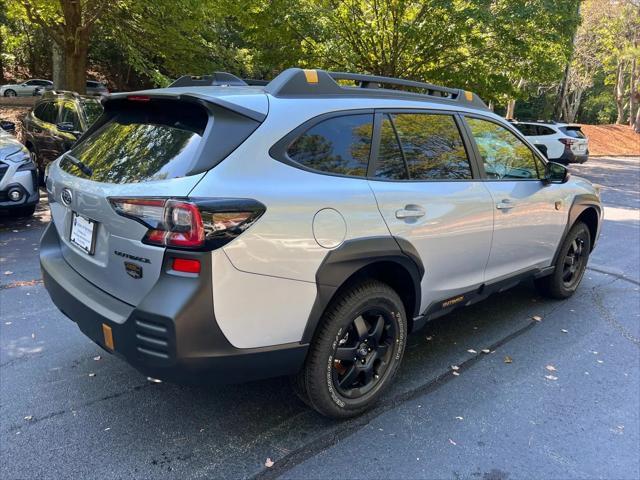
354	256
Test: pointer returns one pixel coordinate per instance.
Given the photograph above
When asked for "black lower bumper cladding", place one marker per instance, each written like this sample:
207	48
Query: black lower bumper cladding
172	334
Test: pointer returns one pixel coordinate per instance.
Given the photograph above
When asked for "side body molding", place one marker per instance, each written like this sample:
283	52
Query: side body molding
353	255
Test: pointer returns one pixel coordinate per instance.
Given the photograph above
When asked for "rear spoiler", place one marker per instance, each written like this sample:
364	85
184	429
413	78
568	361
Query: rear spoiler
206	100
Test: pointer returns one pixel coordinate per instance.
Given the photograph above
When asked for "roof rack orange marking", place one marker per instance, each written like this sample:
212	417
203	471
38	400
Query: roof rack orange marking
311	76
468	96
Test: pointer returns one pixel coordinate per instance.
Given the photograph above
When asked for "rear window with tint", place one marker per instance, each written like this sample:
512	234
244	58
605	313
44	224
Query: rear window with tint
338	145
574	132
142	142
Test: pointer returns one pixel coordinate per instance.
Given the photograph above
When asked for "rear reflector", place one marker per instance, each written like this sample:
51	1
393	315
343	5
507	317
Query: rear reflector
186	265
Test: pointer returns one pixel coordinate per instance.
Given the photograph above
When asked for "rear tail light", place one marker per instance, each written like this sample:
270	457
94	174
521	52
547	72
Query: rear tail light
195	224
567	141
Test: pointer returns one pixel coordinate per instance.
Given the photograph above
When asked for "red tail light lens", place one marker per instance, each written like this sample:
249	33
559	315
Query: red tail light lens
199	225
567	141
186	265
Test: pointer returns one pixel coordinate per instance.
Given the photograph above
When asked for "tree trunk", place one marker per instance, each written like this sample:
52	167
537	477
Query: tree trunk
511	108
633	91
562	92
75	67
58	66
619	92
1	62
637	124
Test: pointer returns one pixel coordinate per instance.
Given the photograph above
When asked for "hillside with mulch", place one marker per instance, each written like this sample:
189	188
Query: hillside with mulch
612	140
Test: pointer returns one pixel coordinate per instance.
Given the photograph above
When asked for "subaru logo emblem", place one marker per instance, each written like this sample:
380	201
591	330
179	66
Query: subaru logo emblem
66	196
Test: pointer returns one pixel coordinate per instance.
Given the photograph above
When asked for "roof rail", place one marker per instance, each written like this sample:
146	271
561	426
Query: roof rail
297	82
217	79
51	93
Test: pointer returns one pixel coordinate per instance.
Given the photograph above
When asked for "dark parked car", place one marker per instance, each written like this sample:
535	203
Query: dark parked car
55	123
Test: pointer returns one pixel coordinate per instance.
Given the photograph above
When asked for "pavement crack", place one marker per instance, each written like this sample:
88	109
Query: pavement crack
598	300
350	427
37	419
616	275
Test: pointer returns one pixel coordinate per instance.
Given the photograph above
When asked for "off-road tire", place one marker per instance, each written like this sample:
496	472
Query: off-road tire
553	286
315	384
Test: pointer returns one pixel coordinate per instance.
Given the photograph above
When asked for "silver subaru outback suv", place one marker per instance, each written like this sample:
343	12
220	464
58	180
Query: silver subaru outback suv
305	228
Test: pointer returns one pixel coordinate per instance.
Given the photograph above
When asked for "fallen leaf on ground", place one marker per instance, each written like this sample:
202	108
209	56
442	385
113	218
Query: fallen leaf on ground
564	330
269	463
107	429
551	368
550	377
97	357
600	361
8	272
485	350
7	323
429	339
471	350
33	336
537	318
459	418
154	380
508	359
28	417
92	374
456	374
452	442
455	367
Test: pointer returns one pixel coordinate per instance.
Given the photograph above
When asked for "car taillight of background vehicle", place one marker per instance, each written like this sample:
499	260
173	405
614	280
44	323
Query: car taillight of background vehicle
194	224
567	141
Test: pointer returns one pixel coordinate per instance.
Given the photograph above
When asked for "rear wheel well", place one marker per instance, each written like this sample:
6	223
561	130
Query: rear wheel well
590	218
394	275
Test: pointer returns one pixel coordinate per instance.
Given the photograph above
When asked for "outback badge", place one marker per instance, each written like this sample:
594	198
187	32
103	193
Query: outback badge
134	270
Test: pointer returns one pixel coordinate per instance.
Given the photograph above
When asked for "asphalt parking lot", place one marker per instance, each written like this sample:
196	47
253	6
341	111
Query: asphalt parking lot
555	398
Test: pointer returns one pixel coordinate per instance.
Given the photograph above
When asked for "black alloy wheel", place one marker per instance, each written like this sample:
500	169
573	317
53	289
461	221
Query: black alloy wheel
574	262
362	356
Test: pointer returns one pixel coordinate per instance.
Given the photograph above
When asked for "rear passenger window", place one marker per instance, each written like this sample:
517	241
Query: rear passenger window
338	145
70	115
417	146
47	112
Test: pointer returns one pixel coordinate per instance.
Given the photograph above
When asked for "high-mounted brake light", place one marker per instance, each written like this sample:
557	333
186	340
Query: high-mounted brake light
197	225
139	98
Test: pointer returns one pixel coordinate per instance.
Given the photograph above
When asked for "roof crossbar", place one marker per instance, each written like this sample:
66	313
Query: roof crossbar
295	82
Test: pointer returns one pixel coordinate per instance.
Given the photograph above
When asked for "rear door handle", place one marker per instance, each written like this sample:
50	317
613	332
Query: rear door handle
505	204
410	211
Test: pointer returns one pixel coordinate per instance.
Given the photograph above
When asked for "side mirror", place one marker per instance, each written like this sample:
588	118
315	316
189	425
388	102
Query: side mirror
556	173
68	127
8	126
543	150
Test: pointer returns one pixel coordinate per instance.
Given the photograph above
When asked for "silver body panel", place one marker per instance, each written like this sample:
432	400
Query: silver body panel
264	281
12	174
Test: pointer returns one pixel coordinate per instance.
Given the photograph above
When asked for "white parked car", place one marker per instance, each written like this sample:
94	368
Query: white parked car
25	89
564	142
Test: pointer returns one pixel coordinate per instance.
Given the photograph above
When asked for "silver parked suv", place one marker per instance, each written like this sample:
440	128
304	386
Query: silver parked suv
304	228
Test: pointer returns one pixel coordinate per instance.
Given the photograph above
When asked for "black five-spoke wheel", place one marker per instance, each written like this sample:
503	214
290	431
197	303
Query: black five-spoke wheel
574	262
356	351
362	355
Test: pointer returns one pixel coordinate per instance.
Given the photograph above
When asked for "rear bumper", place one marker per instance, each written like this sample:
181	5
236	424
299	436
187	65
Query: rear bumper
172	335
569	157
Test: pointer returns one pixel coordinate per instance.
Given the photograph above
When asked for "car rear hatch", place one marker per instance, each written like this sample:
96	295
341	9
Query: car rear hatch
578	142
153	145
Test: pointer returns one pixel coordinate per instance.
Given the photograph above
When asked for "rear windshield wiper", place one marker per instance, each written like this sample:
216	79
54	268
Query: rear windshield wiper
83	168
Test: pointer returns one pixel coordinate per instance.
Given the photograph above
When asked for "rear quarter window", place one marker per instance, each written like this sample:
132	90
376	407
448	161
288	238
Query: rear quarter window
338	145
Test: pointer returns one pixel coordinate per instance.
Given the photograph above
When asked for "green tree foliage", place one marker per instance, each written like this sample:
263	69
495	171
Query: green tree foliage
502	49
